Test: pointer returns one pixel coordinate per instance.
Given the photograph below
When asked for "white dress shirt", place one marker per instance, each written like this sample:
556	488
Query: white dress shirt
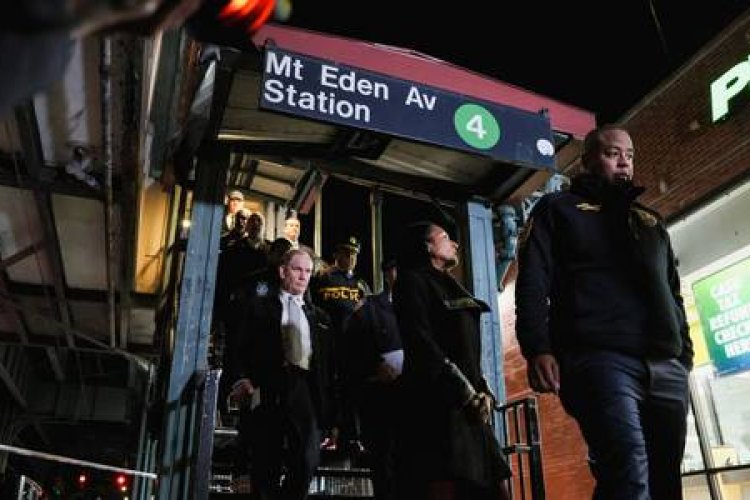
295	330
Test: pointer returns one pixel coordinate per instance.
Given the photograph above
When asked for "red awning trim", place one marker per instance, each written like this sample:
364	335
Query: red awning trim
414	66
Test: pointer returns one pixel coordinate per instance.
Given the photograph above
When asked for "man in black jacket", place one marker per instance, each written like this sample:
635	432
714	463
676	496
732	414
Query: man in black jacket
261	283
376	360
600	321
283	379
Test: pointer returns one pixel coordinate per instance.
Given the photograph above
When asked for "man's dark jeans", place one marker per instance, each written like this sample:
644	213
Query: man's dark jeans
632	413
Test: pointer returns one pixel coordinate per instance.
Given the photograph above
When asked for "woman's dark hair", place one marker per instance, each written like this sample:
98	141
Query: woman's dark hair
413	251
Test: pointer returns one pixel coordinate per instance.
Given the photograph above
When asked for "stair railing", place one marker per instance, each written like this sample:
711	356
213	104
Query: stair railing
523	447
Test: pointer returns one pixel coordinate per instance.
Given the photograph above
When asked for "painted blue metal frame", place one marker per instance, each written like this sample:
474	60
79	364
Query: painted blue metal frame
484	286
177	472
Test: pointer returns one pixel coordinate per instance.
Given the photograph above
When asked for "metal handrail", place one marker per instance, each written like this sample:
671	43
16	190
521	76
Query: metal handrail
522	441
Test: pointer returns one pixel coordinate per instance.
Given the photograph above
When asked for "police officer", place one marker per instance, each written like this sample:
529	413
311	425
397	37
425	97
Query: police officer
338	290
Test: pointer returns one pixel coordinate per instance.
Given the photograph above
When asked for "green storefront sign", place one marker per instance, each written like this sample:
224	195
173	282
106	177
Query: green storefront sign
723	301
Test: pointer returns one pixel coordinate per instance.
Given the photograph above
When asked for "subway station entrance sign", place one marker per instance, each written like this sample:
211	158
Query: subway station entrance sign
304	86
723	301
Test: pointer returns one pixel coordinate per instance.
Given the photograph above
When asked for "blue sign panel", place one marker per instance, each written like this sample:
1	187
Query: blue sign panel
321	90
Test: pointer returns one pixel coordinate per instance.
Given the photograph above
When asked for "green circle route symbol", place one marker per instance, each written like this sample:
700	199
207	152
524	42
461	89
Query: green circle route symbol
476	126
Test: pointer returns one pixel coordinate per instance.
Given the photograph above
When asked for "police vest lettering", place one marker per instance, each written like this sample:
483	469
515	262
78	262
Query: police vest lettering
340	293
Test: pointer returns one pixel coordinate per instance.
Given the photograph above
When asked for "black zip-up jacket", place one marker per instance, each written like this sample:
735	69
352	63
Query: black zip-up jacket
597	271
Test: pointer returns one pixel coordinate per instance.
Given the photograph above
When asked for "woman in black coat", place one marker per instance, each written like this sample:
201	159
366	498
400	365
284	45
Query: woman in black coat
447	448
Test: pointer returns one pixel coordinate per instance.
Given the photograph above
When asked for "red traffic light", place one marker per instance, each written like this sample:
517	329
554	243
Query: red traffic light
82	479
252	13
233	22
121	482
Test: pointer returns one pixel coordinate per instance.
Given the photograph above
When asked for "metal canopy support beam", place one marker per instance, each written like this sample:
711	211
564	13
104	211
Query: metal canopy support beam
281	149
23	332
190	355
31	142
224	77
8	380
207	425
69	330
18	288
361	170
20	255
105	87
48	180
376	236
209	103
164	111
481	248
145	441
242	171
323	160
304	195
54	363
41	432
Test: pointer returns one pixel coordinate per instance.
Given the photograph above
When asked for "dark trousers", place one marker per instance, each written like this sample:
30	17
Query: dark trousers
378	410
243	443
632	413
285	434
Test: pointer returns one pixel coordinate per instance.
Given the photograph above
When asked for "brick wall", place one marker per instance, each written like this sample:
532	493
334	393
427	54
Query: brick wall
681	156
566	473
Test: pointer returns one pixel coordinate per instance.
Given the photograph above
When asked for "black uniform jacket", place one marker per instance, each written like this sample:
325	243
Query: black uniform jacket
261	355
597	271
439	320
372	330
338	293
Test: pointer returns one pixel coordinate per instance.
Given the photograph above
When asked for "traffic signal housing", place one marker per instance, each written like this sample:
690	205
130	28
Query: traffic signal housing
233	22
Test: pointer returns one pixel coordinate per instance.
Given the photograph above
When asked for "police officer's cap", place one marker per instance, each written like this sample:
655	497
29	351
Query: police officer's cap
350	245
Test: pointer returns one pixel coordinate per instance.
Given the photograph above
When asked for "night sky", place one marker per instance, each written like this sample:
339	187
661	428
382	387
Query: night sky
602	56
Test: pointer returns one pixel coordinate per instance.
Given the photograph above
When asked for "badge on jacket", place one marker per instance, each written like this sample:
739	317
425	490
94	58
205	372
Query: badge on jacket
588	207
261	290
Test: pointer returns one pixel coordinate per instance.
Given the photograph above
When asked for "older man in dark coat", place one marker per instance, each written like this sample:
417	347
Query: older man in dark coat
447	449
283	378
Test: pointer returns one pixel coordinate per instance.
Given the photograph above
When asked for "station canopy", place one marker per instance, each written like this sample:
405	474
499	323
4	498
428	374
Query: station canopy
386	116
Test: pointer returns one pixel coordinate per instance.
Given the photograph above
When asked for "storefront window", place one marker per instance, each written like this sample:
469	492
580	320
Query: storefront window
723	406
693	459
717	305
695	488
735	484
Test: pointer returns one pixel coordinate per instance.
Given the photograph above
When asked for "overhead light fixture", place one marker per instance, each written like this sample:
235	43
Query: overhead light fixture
184	228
